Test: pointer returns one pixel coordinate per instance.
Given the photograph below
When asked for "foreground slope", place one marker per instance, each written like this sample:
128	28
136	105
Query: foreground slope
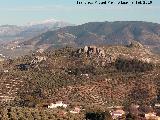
110	75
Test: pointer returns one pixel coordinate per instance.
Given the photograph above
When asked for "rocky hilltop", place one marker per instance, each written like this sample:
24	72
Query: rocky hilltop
106	75
134	50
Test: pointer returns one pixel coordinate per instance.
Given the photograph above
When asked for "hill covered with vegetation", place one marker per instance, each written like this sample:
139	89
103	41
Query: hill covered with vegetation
110	75
92	75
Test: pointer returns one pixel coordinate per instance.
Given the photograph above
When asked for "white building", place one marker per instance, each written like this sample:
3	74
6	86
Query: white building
58	104
5	71
150	116
116	114
157	105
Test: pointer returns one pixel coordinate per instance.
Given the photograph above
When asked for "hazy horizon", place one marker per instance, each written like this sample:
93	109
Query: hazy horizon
17	12
28	23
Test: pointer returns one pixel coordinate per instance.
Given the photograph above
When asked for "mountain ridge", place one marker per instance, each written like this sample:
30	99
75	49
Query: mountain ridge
94	33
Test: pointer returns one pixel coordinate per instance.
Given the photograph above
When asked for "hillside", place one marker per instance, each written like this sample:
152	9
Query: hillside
101	33
110	75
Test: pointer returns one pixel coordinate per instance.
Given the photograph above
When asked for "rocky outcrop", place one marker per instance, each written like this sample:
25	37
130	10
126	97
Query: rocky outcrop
38	59
98	53
135	44
92	50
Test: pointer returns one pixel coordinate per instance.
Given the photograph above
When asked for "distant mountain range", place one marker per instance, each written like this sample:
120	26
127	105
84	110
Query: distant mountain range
100	33
13	32
36	28
52	34
10	30
12	35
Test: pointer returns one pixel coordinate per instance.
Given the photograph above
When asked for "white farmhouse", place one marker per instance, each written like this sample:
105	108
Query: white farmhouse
118	113
151	116
5	71
58	104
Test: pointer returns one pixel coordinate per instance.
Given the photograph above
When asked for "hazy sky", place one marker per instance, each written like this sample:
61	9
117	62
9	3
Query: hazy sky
21	12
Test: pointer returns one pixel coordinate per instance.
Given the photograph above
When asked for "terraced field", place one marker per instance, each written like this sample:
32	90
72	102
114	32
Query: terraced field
9	89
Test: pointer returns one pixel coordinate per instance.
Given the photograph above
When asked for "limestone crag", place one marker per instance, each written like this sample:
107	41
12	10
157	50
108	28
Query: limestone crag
97	53
92	50
38	59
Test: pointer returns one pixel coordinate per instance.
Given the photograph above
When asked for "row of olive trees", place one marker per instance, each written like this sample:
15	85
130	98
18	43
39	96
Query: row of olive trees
133	65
